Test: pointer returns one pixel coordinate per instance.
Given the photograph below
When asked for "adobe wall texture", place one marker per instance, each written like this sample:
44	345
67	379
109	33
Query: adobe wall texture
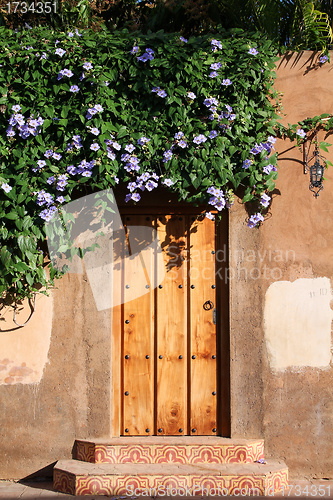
281	358
55	372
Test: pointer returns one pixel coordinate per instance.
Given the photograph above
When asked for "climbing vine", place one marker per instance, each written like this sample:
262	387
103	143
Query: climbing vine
85	111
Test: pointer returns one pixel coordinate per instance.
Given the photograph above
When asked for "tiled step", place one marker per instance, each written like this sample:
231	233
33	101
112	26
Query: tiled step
181	450
202	479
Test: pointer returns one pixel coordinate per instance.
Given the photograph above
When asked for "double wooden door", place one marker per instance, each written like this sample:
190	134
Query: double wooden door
166	381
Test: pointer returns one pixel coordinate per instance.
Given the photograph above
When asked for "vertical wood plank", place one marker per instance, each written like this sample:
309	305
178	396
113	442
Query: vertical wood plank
119	254
171	334
138	369
201	288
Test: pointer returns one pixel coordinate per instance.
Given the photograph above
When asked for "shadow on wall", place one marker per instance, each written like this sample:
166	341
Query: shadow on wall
24	350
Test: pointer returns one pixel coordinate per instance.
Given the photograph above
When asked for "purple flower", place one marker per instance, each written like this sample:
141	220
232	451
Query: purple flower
215	44
143	58
129	148
87	66
71	169
95	131
300	132
135	49
255	220
179	135
131	186
161	93
216	66
60	52
16	108
74	88
56	156
48	153
182	144
65	72
271	139
41	163
111	155
143	140
210	216
265	199
116	146
94	146
147	56
10	132
82	77
167	155
212	134
48	213
199	139
60	199
135	196
44	198
247	163
267	169
6	187
226	82
210	101
182	39
151	185
191	95
256	149
98	108
62	182
213	74
144	177
213	190
323	59
167	182
253	51
51	180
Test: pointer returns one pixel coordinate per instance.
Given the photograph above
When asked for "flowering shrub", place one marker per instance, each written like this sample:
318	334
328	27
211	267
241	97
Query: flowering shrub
84	111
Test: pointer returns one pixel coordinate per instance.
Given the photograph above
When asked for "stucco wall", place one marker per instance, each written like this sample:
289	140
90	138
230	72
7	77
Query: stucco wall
41	415
281	357
58	385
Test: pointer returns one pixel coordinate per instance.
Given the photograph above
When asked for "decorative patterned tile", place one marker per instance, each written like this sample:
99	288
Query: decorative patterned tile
64	482
165	453
202	484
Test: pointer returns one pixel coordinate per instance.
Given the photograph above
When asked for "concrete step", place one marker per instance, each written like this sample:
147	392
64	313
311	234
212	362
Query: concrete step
169	449
172	479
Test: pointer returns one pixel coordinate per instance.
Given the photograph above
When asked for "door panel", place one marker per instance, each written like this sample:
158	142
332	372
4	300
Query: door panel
171	338
202	329
138	343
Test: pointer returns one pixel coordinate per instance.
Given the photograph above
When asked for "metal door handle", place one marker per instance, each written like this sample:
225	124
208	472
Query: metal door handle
208	305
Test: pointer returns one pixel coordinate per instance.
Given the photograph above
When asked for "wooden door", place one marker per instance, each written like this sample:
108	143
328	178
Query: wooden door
167	380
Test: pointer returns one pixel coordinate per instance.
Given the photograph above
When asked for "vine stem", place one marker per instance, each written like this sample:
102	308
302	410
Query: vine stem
31	315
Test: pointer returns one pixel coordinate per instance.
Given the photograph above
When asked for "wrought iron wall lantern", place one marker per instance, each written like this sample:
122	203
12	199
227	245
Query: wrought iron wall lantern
314	164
